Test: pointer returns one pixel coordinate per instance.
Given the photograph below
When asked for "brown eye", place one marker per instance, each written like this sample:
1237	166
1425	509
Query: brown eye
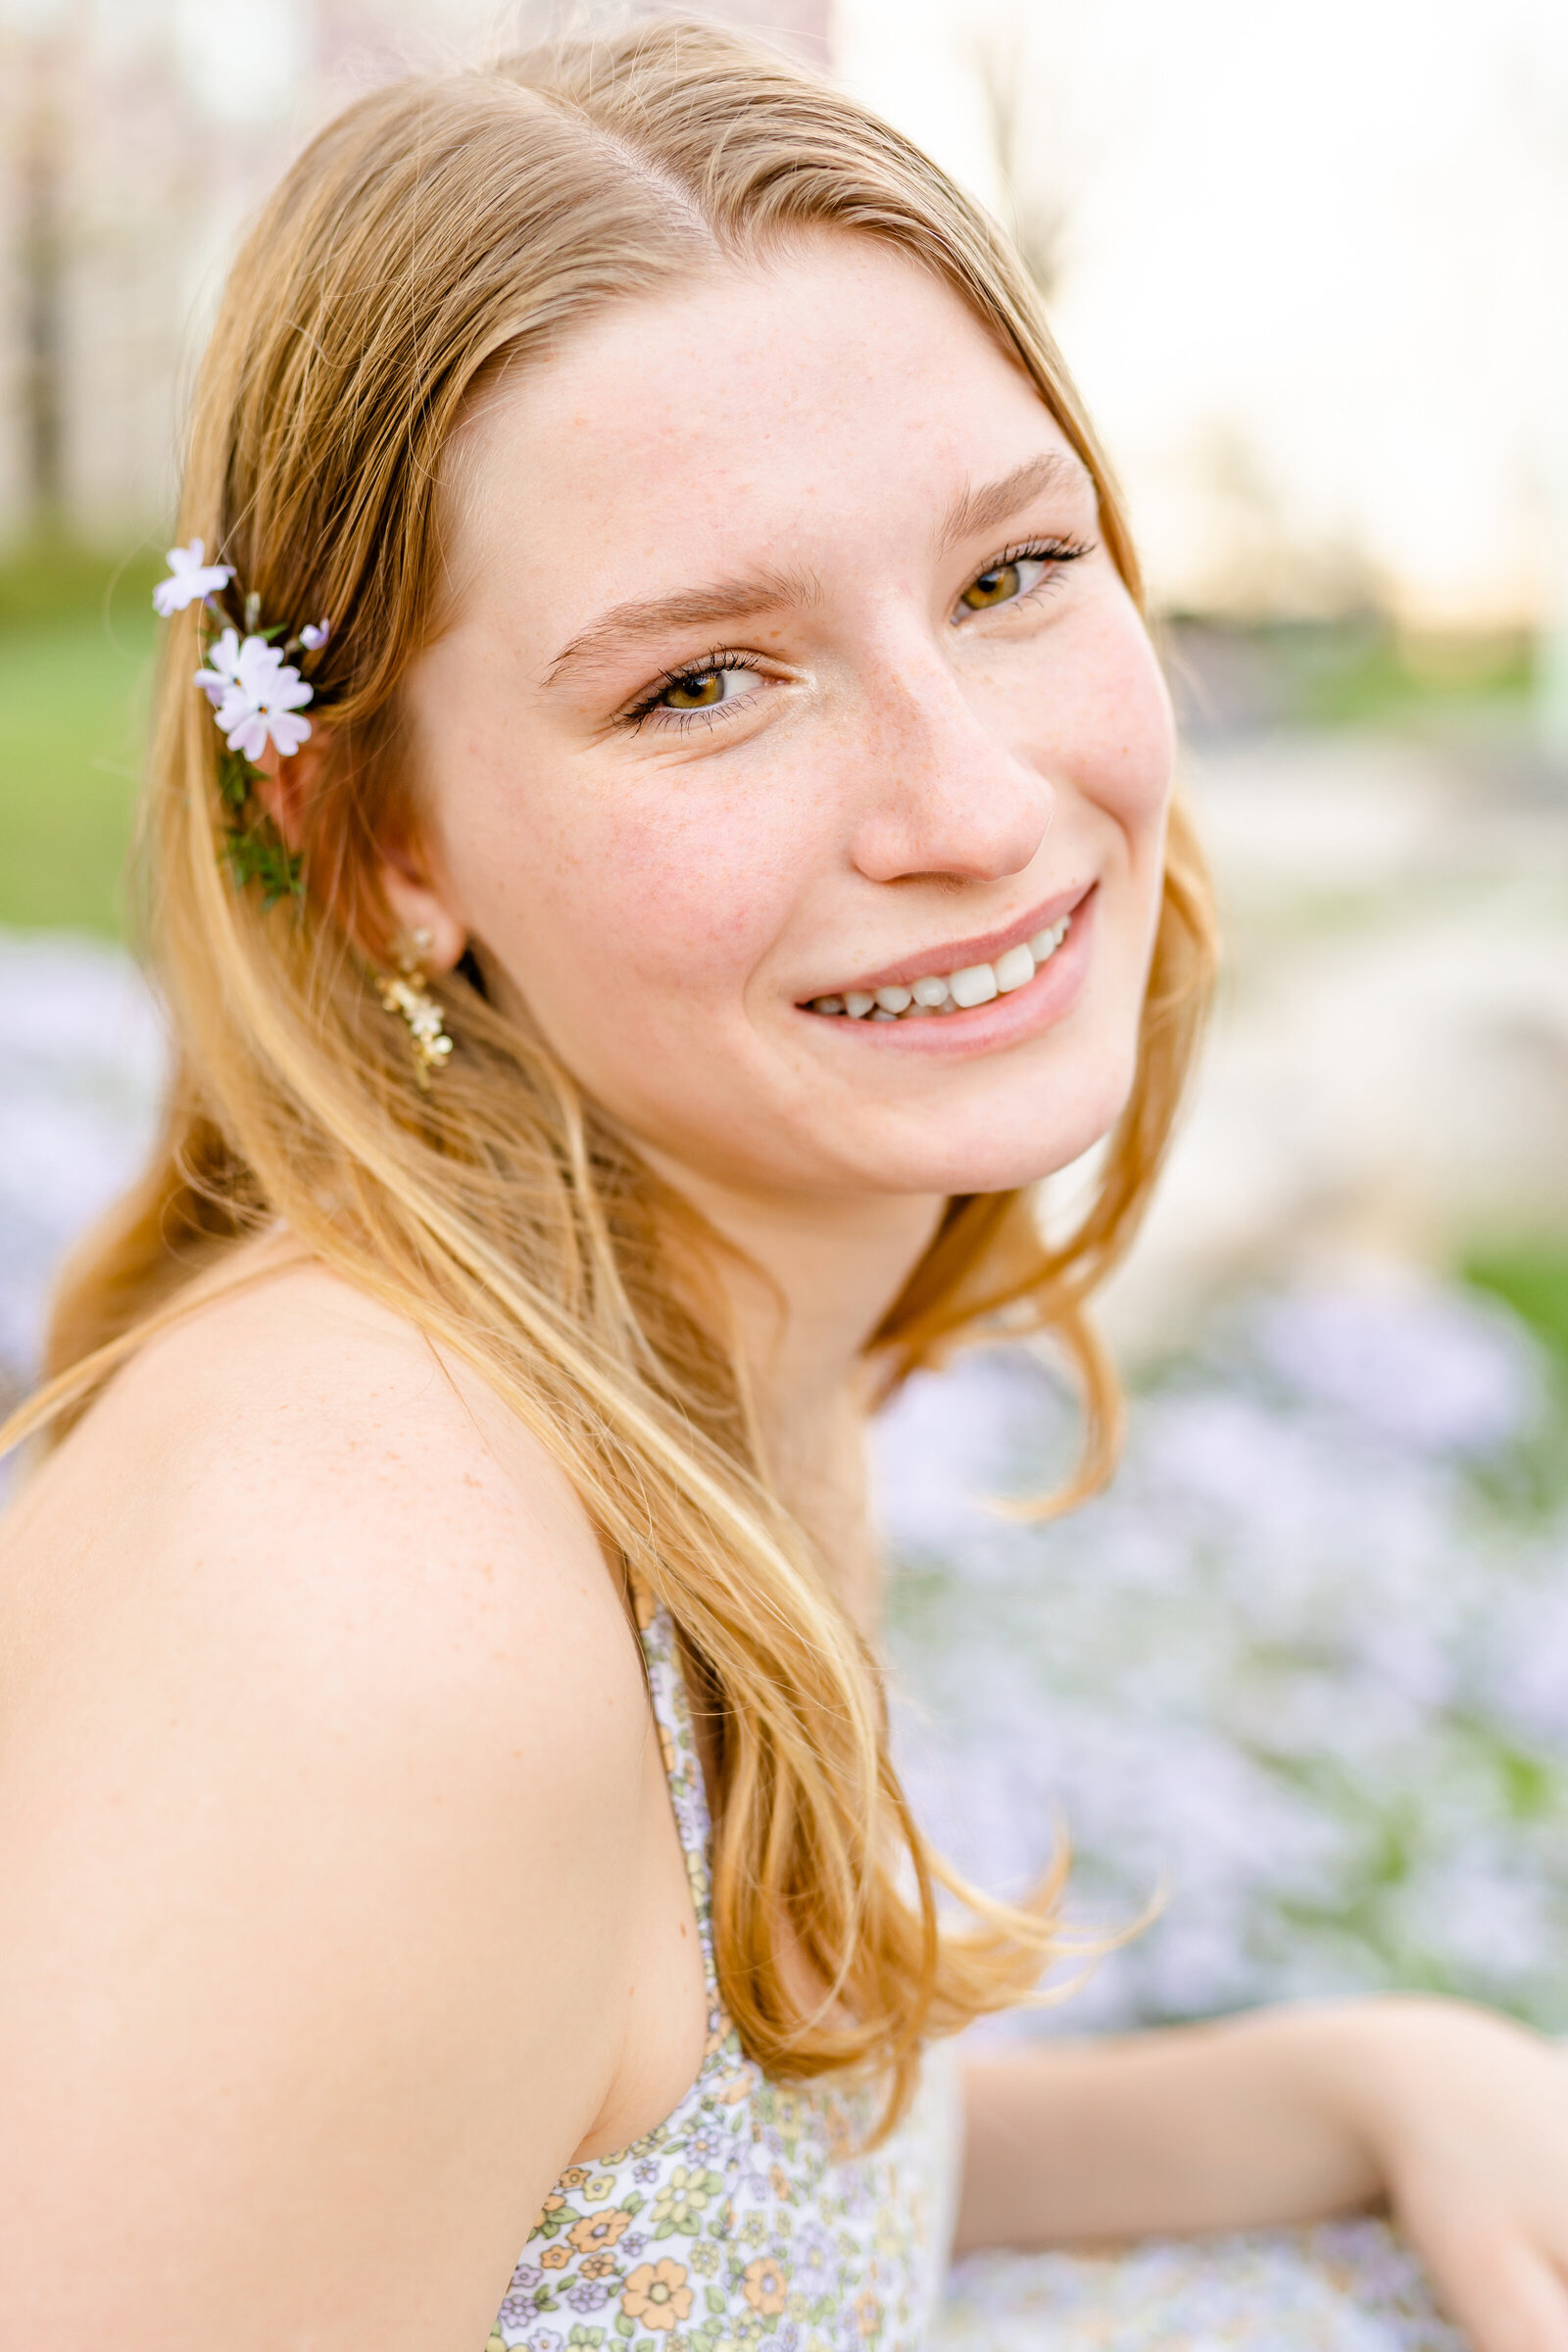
996	587
699	691
695	693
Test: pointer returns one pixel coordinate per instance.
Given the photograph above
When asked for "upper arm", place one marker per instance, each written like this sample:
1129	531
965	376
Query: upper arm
317	1800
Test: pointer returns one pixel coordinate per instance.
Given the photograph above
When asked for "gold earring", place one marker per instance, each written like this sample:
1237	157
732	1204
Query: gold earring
404	992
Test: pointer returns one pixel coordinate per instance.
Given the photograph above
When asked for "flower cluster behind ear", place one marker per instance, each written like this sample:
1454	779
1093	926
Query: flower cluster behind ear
257	696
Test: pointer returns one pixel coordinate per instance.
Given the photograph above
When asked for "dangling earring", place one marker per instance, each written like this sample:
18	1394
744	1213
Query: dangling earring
404	993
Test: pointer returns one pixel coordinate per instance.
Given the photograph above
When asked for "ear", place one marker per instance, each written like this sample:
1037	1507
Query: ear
286	785
413	894
420	909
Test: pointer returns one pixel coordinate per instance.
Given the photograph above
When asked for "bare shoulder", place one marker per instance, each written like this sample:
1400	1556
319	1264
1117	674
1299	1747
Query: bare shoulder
296	1452
288	1523
327	1811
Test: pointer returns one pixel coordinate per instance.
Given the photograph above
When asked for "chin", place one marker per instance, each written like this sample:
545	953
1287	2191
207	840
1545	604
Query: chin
1004	1152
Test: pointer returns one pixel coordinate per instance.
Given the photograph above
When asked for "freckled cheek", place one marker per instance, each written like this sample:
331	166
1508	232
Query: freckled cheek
671	901
1133	760
1138	775
1107	726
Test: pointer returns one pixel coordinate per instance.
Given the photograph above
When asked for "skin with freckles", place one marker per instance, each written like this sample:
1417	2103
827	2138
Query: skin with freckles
903	733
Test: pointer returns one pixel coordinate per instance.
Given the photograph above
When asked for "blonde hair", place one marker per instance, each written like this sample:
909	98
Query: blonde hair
435	231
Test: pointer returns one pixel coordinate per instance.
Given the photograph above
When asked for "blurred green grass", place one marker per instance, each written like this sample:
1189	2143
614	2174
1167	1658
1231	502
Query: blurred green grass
1374	676
1532	1278
1358	672
76	639
1528	1273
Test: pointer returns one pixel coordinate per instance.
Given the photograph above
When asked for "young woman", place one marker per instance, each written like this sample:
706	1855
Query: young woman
667	626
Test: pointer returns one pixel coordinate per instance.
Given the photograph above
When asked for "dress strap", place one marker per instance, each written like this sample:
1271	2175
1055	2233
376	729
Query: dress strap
666	1685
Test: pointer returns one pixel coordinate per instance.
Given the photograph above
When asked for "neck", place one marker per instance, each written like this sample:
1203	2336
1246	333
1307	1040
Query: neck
807	1280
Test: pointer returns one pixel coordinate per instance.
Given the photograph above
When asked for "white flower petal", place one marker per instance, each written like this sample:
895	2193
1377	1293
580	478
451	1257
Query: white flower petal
248	734
189	580
222	667
258	665
286	732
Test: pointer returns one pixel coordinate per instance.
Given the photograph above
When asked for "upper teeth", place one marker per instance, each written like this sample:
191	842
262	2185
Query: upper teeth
951	992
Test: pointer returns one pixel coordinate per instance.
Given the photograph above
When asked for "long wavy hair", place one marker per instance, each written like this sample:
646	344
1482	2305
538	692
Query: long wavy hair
438	231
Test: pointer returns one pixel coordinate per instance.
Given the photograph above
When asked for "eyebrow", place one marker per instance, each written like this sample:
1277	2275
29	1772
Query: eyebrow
725	600
977	510
722	601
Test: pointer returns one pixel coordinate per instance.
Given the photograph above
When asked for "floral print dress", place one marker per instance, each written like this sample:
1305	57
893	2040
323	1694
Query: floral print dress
746	2218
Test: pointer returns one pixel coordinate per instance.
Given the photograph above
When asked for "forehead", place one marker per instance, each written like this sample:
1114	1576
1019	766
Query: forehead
837	379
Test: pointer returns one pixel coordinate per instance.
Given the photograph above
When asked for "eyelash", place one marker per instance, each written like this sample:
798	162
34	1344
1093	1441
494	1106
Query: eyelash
647	702
1055	550
1051	550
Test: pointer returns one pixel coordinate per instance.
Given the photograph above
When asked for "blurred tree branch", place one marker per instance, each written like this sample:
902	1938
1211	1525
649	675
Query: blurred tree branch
41	259
1038	220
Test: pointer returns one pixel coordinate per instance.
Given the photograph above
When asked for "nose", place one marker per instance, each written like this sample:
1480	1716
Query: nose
945	796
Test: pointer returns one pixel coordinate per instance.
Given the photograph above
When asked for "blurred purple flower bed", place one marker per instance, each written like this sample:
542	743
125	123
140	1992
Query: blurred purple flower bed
1301	1674
86	1060
1301	1677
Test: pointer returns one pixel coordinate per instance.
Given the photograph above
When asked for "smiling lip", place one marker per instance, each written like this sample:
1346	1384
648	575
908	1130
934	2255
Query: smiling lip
953	954
1003	1021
